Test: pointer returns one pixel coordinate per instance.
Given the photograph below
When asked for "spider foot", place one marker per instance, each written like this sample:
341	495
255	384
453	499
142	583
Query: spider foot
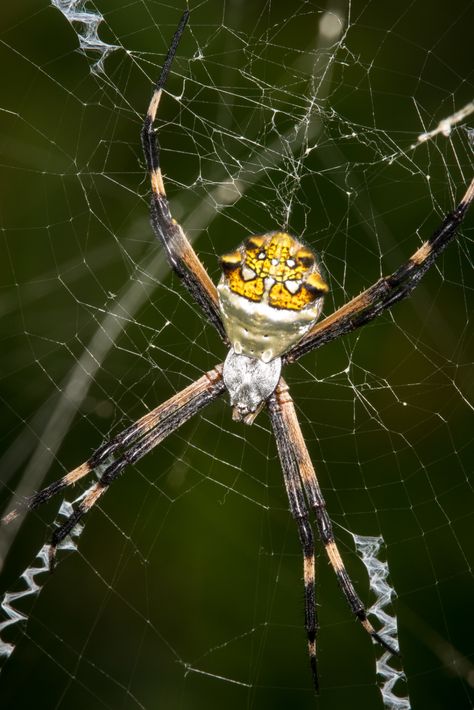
52	557
313	665
9	517
74	515
23	506
379	639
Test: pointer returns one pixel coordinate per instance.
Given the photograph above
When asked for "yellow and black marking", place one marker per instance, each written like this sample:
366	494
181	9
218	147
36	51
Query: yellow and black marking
312	288
277	268
230	262
252	290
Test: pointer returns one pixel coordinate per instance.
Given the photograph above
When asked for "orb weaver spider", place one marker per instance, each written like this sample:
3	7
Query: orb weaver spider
265	308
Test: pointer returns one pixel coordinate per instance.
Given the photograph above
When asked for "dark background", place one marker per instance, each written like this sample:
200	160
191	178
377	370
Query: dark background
186	591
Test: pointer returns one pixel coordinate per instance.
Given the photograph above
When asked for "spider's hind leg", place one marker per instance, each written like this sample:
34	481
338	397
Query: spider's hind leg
181	255
388	290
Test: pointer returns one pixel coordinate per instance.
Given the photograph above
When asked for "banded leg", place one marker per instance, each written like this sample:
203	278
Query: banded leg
128	448
387	290
298	509
181	256
294	454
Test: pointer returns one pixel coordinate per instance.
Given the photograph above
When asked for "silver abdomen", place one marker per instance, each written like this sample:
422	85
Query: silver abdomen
250	382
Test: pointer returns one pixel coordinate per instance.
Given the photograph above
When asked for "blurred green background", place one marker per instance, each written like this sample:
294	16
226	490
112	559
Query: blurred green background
186	591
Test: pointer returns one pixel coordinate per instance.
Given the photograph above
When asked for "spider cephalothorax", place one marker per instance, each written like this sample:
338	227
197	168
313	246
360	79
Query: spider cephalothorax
266	306
270	294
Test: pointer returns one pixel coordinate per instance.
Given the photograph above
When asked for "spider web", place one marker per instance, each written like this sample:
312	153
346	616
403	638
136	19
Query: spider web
349	124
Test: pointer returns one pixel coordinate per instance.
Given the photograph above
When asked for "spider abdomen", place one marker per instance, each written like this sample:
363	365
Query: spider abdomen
270	294
249	382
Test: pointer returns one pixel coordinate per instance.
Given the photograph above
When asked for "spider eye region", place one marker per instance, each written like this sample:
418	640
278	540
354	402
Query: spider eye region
270	293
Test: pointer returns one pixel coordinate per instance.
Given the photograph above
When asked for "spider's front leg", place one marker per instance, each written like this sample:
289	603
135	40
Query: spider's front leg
299	511
125	449
299	475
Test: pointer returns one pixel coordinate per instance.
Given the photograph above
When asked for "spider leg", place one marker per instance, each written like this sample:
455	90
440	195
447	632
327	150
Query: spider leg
181	256
298	509
387	290
298	469
128	447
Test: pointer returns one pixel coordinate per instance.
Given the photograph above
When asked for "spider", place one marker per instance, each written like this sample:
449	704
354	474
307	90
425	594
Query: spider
265	308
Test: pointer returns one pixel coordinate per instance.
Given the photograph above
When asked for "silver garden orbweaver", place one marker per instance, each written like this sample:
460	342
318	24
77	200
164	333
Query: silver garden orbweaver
266	310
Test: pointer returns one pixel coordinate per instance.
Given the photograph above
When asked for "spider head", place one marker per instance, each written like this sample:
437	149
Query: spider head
270	293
